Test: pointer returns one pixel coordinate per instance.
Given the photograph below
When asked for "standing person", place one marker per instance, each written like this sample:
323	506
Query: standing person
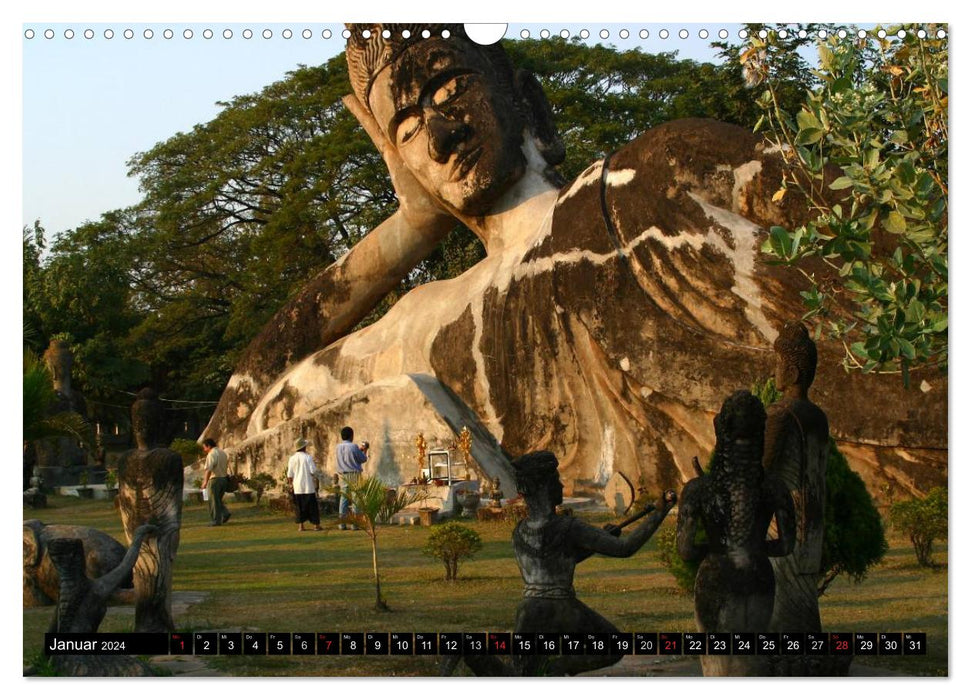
350	458
302	474
216	479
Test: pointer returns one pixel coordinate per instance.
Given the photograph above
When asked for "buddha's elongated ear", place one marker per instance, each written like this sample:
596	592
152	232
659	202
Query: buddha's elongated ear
540	116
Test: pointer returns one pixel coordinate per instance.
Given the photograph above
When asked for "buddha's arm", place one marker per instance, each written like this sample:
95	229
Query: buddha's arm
339	297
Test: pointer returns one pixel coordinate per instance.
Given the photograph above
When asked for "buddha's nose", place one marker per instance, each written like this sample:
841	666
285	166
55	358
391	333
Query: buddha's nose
443	136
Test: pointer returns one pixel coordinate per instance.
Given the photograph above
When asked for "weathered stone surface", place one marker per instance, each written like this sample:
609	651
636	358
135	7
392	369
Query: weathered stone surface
102	553
608	318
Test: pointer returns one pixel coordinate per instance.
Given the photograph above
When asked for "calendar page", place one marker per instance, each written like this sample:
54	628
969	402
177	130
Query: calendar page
523	349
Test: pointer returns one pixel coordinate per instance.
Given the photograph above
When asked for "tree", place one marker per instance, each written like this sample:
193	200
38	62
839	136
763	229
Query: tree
923	520
868	149
374	503
451	542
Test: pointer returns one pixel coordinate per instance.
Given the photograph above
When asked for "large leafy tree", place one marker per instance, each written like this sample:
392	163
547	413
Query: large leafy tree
868	148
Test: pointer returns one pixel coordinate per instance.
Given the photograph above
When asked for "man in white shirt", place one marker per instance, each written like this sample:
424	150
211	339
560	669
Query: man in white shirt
302	475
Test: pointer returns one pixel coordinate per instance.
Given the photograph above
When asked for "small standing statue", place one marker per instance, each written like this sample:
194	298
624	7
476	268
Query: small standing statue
796	452
465	447
421	450
734	503
150	491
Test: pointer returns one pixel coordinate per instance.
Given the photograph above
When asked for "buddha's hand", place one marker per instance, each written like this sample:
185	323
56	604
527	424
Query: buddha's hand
419	208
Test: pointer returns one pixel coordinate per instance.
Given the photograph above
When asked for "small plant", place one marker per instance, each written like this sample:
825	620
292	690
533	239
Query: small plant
111	479
83	479
923	520
684	572
260	483
452	542
374	503
190	450
197	483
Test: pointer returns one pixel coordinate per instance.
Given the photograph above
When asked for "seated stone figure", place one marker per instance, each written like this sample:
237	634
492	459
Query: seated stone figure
734	504
150	492
547	548
608	318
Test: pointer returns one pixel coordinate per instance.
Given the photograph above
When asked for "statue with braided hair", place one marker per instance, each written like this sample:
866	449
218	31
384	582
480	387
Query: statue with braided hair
150	480
734	504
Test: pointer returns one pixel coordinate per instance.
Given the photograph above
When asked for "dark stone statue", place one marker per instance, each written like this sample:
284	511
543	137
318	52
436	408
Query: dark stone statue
102	553
150	491
82	603
796	452
547	548
734	504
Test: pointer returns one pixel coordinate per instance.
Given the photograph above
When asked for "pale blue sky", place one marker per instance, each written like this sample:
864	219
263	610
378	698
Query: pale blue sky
91	103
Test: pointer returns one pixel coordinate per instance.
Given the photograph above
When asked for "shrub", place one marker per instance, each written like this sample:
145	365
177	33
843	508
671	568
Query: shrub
854	538
923	520
190	450
260	483
684	572
451	542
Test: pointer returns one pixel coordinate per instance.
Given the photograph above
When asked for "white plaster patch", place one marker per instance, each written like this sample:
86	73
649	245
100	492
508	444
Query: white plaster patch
743	176
645	392
588	177
742	259
605	466
625	364
925	387
619	178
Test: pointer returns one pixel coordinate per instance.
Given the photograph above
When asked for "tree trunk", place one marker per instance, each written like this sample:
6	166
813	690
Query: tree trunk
379	604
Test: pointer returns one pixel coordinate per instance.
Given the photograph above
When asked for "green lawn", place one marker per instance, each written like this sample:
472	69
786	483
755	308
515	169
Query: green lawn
259	574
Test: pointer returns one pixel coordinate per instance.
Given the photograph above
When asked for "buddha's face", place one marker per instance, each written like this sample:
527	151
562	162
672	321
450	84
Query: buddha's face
454	124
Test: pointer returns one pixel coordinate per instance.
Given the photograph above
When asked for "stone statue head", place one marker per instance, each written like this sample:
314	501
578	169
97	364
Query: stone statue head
538	476
455	111
739	438
60	360
795	358
146	419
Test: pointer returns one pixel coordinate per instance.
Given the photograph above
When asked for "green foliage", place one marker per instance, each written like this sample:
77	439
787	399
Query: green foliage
868	148
854	540
260	483
923	520
766	392
666	551
111	478
452	542
190	450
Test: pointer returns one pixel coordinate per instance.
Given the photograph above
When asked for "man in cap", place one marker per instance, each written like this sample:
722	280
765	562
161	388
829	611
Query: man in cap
302	475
